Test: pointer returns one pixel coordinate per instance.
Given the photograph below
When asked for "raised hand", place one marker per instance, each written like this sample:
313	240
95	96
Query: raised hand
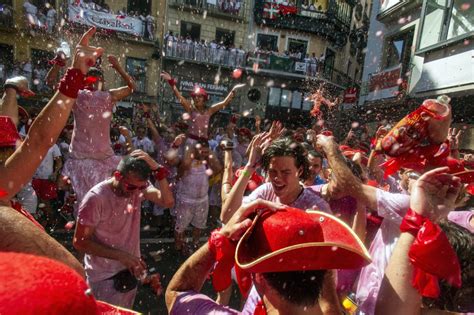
113	60
434	194
166	76
85	56
142	155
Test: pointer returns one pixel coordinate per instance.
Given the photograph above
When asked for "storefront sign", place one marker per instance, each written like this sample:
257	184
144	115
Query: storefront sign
120	23
384	84
215	89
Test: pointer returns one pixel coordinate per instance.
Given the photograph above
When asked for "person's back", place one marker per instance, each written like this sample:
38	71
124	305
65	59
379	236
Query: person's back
92	117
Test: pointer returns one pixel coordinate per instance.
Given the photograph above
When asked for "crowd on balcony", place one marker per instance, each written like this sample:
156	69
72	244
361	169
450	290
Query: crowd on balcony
34	72
204	51
42	18
100	6
216	52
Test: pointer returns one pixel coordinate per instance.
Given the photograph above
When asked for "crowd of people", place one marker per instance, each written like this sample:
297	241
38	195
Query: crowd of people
379	222
228	55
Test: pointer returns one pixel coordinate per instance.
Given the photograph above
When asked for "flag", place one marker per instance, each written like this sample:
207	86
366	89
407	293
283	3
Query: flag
270	10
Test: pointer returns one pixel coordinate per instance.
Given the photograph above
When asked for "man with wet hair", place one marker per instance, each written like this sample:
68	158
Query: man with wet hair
108	227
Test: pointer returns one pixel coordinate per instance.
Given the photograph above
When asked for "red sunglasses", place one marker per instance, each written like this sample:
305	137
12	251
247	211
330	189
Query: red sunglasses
131	187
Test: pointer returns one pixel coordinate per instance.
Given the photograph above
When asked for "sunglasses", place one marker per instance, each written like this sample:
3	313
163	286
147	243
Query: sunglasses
131	187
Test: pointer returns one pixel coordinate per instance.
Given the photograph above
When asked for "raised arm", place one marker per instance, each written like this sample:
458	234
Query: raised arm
124	91
9	104
22	164
234	198
227	174
172	82
433	196
221	105
163	196
343	177
195	270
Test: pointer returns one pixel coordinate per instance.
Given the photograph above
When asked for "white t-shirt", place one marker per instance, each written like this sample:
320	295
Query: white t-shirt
144	144
46	168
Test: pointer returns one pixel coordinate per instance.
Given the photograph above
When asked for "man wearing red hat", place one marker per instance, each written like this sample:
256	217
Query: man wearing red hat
18	234
288	269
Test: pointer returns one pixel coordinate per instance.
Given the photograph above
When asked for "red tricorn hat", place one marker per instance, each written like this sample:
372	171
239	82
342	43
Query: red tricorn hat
199	91
41	286
296	240
8	133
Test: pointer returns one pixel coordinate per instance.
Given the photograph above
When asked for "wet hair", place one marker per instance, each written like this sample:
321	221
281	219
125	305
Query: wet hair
204	143
457	299
287	147
136	166
316	154
301	288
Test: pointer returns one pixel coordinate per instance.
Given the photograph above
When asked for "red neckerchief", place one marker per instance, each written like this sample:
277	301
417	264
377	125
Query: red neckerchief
430	244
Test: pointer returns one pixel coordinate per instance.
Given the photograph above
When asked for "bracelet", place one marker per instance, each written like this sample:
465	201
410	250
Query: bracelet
161	173
245	173
223	251
172	82
71	83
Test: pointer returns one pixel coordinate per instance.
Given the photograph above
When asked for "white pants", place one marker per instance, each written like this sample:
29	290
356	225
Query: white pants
104	291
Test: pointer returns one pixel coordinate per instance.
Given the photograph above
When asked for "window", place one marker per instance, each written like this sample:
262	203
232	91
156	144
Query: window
329	59
6	62
307	103
137	69
444	20
267	42
142	7
398	50
297	47
296	98
190	29
274	97
285	98
225	36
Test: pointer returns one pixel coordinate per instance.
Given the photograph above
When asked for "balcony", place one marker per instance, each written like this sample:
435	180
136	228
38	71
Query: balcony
6	17
124	26
265	63
332	22
294	67
224	9
199	53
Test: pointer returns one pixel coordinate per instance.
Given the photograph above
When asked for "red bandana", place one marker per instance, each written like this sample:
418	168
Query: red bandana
430	244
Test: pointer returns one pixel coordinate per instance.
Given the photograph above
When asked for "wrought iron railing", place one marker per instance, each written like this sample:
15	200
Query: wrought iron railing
229	8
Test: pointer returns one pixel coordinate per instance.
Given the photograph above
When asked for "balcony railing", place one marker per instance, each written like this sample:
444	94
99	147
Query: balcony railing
303	67
201	53
234	9
332	22
6	16
265	62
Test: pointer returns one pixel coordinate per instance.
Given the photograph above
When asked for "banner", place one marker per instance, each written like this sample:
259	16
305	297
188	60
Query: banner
214	89
103	20
384	84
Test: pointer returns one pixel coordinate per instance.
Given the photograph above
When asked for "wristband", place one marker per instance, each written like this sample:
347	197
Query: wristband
172	82
223	251
161	173
146	115
245	173
429	245
71	83
57	61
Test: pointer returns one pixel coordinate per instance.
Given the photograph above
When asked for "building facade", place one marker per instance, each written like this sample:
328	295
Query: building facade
419	50
31	32
282	51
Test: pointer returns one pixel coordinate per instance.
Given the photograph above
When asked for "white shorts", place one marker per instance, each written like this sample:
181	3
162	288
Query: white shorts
194	213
